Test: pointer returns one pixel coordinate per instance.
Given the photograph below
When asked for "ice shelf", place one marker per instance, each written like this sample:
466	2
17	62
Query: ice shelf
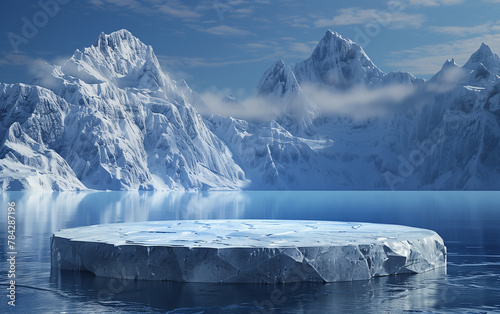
247	251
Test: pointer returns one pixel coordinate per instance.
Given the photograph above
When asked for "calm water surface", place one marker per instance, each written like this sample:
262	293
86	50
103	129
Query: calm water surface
469	223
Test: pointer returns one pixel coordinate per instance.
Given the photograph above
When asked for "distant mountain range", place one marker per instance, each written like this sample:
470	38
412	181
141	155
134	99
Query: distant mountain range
110	119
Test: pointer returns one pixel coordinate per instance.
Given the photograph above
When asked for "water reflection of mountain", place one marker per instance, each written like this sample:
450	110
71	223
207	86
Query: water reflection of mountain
39	215
49	212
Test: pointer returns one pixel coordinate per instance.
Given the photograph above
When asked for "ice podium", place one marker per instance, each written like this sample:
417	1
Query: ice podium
247	251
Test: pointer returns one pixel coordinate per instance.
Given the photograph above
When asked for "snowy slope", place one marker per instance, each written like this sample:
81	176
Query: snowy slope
271	156
32	134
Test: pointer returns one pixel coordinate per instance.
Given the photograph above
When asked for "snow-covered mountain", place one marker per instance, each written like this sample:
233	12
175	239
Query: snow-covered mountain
466	115
338	62
110	118
32	131
483	66
285	99
445	136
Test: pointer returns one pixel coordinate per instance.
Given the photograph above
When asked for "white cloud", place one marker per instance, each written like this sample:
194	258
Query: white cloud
226	30
354	16
98	3
448	79
121	3
178	10
433	3
179	63
298	21
257	45
41	70
358	103
16	59
428	59
465	30
287	48
361	102
244	11
303	49
38	68
251	108
171	9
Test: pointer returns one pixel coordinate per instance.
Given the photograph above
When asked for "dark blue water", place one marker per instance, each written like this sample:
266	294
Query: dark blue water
469	223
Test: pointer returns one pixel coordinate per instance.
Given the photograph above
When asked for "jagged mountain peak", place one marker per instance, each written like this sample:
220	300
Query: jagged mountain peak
450	63
334	45
332	35
486	57
450	73
484	53
116	37
485	49
119	58
338	62
279	63
122	44
279	66
336	38
277	80
329	32
282	91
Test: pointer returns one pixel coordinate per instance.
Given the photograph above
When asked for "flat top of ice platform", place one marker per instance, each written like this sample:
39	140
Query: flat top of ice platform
243	233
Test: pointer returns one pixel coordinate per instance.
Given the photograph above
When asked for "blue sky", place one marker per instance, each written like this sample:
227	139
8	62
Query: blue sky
226	45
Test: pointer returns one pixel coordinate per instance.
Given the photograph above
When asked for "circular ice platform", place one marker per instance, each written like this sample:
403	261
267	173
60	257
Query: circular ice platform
247	251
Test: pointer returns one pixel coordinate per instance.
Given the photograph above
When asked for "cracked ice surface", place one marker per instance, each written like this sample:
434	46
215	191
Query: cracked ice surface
247	251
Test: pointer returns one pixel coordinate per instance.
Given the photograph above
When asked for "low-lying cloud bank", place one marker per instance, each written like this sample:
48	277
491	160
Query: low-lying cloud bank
358	103
251	108
361	102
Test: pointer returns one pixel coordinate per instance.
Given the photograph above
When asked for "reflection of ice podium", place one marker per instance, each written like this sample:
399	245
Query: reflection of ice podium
247	251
